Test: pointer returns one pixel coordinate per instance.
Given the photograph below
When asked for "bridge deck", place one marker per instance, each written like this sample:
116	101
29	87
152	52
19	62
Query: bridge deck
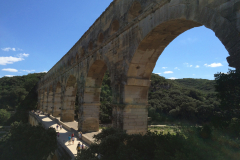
65	132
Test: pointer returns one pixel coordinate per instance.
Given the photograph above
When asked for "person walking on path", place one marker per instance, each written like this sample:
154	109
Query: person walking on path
60	126
80	135
69	139
73	140
58	134
83	146
72	134
57	126
78	147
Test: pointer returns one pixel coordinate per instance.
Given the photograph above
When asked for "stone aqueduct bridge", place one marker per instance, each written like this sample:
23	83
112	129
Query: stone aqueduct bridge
127	39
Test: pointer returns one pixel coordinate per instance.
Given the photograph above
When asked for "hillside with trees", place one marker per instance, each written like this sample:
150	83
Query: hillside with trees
189	99
18	94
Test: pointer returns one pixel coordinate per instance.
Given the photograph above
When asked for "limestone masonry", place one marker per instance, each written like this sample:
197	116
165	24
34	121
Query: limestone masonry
127	39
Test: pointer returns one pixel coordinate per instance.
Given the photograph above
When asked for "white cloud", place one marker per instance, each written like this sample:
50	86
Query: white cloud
8	75
197	66
213	65
177	68
187	65
168	72
188	40
8	49
9	60
10	70
172	78
23	55
164	67
28	71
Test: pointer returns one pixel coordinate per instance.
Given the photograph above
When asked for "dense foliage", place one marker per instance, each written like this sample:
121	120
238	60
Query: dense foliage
183	99
13	90
19	94
106	99
4	116
228	89
116	144
26	142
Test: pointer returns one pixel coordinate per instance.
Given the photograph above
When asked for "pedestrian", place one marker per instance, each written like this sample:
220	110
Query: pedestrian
69	139
72	134
83	146
80	135
60	126
79	147
57	126
73	140
58	134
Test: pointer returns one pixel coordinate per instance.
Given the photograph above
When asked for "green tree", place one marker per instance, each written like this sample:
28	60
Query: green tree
116	144
4	116
26	142
228	88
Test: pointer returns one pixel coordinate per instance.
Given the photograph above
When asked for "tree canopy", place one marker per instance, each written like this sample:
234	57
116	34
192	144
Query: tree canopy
26	142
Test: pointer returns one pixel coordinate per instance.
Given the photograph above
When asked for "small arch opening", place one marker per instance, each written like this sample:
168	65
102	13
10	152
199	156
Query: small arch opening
115	26
100	38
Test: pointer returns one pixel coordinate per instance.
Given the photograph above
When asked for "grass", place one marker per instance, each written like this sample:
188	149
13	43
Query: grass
219	143
165	129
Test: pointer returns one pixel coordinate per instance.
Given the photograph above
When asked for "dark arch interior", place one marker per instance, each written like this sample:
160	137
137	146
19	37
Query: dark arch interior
100	38
96	73
115	26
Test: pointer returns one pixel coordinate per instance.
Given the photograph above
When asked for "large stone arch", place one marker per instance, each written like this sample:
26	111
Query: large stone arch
68	105
130	48
155	32
57	100
89	118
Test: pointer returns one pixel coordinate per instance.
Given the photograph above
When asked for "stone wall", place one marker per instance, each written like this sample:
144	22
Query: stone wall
127	39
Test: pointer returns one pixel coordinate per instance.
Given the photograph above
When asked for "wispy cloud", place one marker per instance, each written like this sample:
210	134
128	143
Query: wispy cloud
177	68
164	67
213	65
172	78
8	49
23	55
8	75
197	66
188	40
10	70
29	71
168	72
187	65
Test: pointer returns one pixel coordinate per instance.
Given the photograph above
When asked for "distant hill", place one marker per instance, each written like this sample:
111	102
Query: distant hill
189	99
14	90
204	85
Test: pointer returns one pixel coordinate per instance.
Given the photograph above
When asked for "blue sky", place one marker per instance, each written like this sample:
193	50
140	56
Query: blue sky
35	34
